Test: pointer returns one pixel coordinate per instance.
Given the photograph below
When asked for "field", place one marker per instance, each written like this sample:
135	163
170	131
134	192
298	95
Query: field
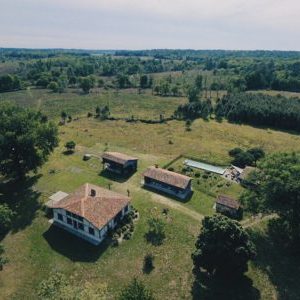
35	250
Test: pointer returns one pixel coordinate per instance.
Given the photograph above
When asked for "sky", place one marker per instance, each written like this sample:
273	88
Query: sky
150	24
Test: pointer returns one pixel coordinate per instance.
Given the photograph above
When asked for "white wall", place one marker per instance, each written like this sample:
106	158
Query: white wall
100	233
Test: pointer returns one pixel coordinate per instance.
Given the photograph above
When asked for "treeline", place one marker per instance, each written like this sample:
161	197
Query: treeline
190	54
259	109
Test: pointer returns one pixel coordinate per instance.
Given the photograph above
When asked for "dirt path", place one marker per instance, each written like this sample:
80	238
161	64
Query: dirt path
132	186
256	220
173	204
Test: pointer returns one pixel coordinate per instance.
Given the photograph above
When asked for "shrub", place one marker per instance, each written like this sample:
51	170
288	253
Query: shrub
127	235
70	145
197	174
136	290
171	169
3	260
6	215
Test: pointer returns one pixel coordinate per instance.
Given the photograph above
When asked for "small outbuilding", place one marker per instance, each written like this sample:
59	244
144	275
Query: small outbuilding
172	183
119	163
228	206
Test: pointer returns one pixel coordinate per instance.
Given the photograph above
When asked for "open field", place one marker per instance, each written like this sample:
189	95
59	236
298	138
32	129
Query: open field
35	251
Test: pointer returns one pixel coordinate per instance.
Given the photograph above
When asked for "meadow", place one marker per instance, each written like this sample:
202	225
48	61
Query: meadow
35	249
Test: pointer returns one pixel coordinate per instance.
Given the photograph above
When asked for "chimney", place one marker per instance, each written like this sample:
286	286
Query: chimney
93	192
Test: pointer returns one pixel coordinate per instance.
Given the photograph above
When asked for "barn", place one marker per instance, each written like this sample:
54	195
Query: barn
119	163
165	181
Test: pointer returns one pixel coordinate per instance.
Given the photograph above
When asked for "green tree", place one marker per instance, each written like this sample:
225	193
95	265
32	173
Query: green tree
86	84
53	86
136	290
9	83
257	153
235	151
64	116
278	191
198	82
223	247
243	159
144	81
26	140
193	94
6	215
156	233
3	259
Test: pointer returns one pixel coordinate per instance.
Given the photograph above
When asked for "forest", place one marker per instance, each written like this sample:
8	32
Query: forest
261	110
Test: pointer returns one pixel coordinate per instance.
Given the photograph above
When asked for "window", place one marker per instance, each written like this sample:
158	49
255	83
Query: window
60	217
69	221
126	209
69	214
91	231
77	217
80	226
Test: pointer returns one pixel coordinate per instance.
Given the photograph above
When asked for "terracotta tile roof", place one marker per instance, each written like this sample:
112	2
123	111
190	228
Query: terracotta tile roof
171	178
228	202
117	157
98	209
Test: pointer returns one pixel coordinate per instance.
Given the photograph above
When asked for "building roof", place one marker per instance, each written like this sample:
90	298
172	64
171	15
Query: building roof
205	167
117	157
228	202
171	178
98	209
55	198
246	172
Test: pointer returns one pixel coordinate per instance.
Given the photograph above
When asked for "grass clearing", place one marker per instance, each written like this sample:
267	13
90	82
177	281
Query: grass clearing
34	251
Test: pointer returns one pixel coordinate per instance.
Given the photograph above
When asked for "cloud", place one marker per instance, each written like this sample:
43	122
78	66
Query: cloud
132	24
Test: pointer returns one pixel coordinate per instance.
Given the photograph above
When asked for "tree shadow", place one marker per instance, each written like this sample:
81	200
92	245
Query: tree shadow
153	190
147	269
73	247
154	238
116	177
21	197
211	288
68	152
279	262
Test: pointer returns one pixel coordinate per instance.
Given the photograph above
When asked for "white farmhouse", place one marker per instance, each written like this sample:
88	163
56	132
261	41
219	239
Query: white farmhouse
89	212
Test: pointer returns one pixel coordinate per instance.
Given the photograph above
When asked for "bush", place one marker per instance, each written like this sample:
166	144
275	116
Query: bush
171	169
197	174
70	146
6	215
3	260
136	290
127	235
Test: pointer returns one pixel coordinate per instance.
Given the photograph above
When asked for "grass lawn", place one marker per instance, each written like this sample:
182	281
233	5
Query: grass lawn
35	250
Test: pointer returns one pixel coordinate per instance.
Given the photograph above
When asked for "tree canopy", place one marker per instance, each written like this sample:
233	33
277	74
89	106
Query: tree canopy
26	140
262	110
223	247
278	191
